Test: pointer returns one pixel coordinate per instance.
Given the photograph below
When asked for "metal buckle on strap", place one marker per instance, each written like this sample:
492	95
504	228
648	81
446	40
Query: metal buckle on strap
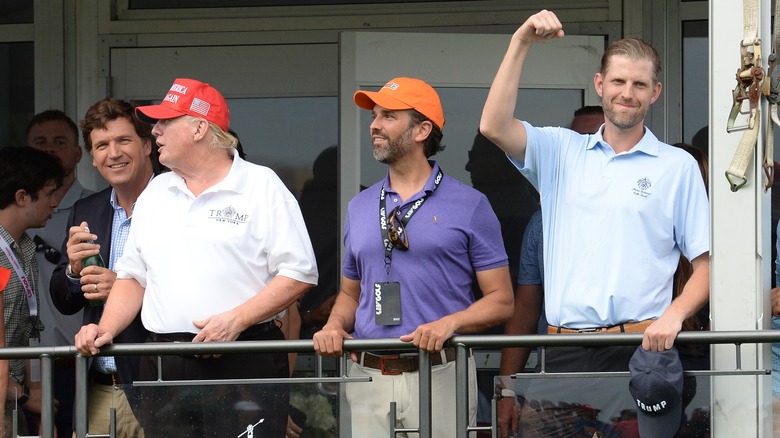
749	76
772	88
384	371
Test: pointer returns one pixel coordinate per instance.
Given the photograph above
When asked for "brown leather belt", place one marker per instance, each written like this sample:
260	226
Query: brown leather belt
104	379
394	364
256	329
628	327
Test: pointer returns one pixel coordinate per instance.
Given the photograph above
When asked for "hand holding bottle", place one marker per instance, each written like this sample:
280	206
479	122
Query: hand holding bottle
80	245
87	263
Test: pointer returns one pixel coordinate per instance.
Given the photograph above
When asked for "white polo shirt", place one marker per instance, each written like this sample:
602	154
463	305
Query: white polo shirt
614	224
200	256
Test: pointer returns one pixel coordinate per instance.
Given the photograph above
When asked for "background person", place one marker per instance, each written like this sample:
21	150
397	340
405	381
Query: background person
53	132
775	299
28	180
319	197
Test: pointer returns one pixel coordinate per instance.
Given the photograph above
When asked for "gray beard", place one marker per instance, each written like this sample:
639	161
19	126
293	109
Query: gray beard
396	148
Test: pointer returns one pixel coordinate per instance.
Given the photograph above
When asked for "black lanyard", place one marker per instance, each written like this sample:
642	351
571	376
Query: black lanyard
404	219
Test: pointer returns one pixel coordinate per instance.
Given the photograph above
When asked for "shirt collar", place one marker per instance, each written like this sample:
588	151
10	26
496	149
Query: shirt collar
648	144
115	202
73	194
233	181
24	240
429	185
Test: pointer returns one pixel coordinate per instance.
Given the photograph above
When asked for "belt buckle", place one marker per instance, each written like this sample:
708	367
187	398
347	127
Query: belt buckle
382	365
590	330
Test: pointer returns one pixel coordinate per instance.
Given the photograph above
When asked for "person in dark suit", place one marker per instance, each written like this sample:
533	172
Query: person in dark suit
120	145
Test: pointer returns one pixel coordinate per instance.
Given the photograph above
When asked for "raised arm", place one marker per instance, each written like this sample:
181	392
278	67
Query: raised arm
498	122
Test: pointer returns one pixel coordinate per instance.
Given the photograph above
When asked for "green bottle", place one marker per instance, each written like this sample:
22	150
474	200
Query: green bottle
95	260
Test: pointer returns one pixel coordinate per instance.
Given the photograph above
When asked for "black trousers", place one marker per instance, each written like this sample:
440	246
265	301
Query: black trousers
217	410
582	359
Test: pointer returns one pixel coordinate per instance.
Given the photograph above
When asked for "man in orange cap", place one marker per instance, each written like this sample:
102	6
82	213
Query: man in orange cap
217	250
412	244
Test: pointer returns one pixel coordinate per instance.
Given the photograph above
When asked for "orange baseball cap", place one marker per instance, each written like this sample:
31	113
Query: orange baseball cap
403	94
189	97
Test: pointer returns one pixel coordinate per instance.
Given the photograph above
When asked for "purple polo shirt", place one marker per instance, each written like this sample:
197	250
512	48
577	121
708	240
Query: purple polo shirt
452	235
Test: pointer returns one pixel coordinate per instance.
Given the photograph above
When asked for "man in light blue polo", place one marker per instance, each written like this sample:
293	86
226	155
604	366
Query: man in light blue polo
413	244
618	206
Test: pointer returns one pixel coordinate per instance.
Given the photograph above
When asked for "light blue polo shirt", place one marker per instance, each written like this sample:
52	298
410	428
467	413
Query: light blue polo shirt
614	225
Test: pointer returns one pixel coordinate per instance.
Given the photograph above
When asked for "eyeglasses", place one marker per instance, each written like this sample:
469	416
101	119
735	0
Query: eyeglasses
49	252
394	232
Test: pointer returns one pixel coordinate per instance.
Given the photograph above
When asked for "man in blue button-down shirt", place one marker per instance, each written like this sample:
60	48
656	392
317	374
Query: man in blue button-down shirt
120	145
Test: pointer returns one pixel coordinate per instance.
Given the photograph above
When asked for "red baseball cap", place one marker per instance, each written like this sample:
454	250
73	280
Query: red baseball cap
190	97
402	94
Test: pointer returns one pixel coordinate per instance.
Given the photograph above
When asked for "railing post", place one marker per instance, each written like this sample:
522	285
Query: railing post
462	392
425	394
80	405
47	396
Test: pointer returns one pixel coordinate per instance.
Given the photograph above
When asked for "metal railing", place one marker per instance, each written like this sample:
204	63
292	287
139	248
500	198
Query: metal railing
463	344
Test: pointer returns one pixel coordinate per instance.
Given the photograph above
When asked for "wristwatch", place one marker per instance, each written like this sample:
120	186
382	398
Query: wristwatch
22	399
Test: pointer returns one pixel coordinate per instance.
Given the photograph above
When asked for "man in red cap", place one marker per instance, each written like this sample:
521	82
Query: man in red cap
218	249
412	245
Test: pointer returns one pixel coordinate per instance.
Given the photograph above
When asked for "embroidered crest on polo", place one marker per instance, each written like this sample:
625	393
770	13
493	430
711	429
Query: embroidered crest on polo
643	186
200	106
228	215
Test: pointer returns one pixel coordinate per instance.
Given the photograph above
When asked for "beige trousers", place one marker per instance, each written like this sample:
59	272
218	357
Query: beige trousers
101	399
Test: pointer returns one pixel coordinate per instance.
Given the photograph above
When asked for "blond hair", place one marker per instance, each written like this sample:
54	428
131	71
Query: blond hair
219	138
635	49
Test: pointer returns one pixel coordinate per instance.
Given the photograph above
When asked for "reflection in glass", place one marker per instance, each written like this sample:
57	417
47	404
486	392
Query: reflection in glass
228	410
16	12
582	406
285	134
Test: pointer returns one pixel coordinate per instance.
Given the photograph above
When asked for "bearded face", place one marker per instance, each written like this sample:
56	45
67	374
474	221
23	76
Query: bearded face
627	90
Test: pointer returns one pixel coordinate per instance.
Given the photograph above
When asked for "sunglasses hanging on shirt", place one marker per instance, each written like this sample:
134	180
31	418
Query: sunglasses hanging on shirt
49	252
